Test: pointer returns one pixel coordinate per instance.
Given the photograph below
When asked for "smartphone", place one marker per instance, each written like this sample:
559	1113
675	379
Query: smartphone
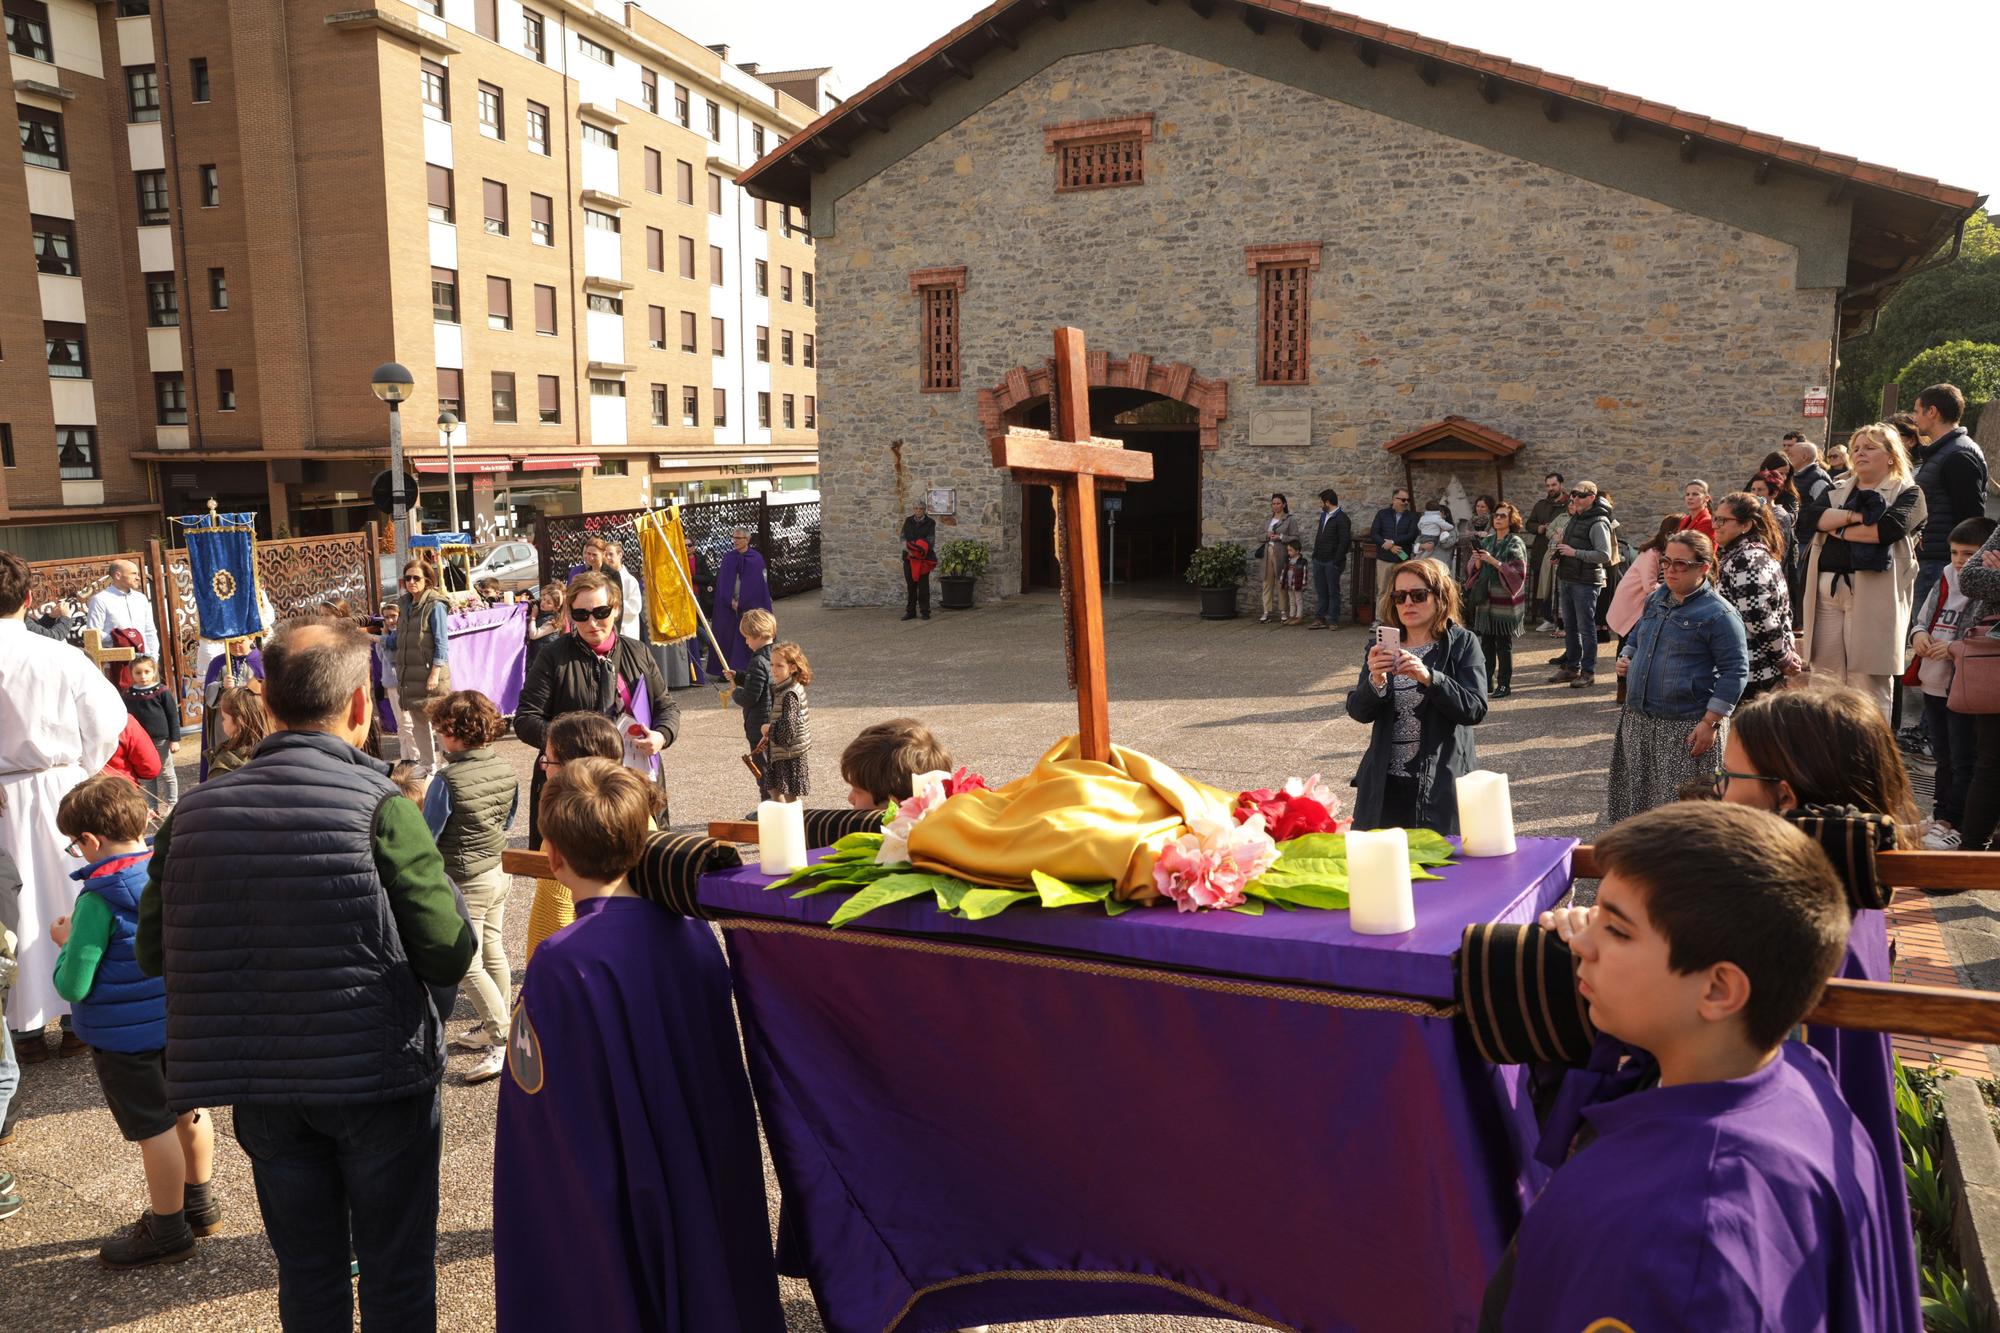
1390	637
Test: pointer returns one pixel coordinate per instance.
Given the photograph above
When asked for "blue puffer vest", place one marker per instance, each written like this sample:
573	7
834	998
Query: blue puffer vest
287	982
126	1010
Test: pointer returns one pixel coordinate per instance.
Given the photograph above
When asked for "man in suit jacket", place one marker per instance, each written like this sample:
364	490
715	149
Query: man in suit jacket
1331	538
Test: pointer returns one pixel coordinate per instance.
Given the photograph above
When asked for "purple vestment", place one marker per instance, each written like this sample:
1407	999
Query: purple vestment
1750	1204
628	1192
741	578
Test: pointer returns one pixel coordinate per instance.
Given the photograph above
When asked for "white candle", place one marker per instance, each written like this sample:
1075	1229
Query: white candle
1485	814
1378	883
781	837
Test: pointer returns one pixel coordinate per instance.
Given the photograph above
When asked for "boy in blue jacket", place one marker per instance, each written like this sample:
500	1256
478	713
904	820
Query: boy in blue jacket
122	1014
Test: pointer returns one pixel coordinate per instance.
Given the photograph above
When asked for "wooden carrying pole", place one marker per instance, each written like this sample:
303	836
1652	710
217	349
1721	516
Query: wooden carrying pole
693	599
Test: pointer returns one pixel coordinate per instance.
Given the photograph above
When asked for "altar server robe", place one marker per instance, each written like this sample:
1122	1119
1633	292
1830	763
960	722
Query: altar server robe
60	720
628	1192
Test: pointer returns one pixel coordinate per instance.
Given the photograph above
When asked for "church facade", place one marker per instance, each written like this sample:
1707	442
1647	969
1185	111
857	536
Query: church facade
1293	240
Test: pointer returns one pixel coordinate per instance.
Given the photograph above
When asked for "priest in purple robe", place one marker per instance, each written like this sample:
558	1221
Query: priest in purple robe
740	585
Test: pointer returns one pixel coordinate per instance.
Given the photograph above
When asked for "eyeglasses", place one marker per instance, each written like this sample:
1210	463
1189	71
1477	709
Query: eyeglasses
72	851
413	578
1723	778
1583	495
549	764
1683	566
1410	596
594	613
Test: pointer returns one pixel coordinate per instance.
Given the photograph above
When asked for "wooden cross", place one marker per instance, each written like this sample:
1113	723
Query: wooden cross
94	649
1069	459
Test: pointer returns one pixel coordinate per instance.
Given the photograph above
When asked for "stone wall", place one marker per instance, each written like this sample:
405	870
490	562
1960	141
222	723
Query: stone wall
1620	339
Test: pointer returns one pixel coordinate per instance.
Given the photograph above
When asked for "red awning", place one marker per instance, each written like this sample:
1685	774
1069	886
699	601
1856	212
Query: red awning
488	463
557	462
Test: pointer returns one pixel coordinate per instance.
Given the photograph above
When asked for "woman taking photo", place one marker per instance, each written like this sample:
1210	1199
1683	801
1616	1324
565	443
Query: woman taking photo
420	648
1684	667
594	669
1497	592
1752	579
1862	571
1423	696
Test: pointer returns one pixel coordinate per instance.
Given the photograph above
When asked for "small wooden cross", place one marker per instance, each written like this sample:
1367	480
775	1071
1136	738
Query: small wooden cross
1071	460
94	649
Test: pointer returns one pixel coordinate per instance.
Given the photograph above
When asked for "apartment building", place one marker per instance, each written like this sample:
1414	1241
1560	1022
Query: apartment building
531	206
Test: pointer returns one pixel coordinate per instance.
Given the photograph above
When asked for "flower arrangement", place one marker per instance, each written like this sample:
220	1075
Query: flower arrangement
1212	864
1294	810
928	792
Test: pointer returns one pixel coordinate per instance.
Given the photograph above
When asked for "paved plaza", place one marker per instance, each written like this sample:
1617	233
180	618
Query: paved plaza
1236	704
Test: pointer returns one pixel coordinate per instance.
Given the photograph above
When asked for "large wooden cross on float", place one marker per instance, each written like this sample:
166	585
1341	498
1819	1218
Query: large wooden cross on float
1077	465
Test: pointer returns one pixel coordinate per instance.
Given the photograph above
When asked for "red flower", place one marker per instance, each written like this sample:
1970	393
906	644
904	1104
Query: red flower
1297	809
963	780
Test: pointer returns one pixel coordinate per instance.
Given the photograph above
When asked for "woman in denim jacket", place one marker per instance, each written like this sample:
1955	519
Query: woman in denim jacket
1685	665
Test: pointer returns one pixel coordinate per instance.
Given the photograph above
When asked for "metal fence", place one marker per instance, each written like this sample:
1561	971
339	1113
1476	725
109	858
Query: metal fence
786	534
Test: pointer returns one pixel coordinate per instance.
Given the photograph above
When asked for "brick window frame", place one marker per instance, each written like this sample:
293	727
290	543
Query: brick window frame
1284	274
940	294
1102	154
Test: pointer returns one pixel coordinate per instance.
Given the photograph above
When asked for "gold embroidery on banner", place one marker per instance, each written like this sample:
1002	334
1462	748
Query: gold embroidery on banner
1230	1308
223	585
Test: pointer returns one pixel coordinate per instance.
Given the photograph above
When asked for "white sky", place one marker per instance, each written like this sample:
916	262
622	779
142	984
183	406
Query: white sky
1849	76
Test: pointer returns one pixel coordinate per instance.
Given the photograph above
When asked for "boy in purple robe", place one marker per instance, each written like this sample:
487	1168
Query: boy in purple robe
1714	1177
628	1192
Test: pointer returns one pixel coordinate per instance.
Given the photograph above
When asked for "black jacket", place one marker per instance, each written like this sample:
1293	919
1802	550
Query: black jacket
1333	534
1453	704
159	713
1953	476
570	678
1393	529
921	530
753	693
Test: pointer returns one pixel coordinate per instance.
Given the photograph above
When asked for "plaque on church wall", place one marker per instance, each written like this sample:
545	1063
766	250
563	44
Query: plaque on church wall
941	501
1281	426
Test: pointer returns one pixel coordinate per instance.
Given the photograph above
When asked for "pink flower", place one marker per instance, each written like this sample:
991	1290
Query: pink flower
1208	866
928	792
963	780
1298	808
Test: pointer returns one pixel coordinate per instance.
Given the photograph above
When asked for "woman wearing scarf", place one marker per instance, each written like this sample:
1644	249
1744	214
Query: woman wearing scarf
1752	579
1497	592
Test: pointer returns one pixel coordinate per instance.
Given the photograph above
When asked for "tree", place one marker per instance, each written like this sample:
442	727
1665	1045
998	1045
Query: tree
1973	367
1959	302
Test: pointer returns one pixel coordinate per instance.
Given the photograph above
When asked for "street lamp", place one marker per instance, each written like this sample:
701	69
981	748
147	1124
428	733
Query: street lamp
448	422
393	384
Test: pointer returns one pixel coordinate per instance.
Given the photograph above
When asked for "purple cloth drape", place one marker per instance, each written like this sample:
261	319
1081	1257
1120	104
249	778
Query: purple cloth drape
755	594
489	652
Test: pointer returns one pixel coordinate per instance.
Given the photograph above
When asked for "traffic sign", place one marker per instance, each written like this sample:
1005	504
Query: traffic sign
388	495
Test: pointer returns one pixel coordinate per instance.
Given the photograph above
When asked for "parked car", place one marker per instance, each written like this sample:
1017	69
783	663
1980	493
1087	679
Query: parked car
514	564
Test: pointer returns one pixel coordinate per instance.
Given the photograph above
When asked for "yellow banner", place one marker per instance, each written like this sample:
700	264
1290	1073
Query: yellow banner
670	613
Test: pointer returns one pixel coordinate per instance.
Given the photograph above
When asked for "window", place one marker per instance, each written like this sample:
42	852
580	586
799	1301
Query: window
534	35
687	256
1100	154
6	445
538	128
655	182
218	289
496	208
808	357
211	186
598	220
545	309
715	194
757	140
55	245
163	301
763	212
806	287
492	112
42	138
152	197
812	414
541	220
784	282
715	126
763	275
656	250
721	407
763	409
503	397
600	136
1284	323
785	220
656	326
658	405
486	19
688	343
198	80
68	359
134	9
718	336
791	413
612	467
763	342
437	83
444	295
451	391
604	305
785	346
28	29
499	303
225	391
681	104
684	182
76	452
938	290
440	192
715	266
593	50
170	399
649	91
607	388
142	93
548	398
690	405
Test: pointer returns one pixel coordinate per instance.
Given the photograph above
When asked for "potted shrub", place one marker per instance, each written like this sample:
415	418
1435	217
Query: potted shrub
960	564
1217	569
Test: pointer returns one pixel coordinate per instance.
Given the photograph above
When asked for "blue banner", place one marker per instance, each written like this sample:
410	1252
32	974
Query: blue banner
222	559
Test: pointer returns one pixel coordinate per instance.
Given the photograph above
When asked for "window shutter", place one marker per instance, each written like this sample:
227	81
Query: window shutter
687	331
1284	316
440	187
653	184
939	290
496	201
450	386
499	297
656	250
656	324
545	309
549	391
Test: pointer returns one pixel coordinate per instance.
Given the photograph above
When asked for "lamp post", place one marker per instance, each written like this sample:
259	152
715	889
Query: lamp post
448	422
393	384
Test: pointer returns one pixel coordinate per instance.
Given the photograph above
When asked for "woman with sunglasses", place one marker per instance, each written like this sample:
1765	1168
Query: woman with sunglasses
594	669
1423	697
420	647
1684	667
1752	579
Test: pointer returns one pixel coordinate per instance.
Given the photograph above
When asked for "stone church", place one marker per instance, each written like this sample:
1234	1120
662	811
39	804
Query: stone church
1307	251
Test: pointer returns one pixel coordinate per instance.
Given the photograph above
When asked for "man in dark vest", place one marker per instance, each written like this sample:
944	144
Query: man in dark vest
1952	473
300	914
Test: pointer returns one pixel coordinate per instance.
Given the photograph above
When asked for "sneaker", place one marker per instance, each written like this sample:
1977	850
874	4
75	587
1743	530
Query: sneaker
10	1204
472	1039
1562	677
1941	838
489	1066
1317	624
6	1182
148	1243
1264	619
1548	627
1499	691
1584	680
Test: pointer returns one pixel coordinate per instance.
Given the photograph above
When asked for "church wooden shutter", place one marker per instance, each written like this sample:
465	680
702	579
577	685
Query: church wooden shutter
1099	154
939	291
1284	310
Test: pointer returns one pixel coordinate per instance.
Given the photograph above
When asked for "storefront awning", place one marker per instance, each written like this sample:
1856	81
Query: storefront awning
558	462
487	463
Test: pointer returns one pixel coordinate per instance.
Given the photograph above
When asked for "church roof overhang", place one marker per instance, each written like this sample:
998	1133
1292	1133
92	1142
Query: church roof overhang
1456	439
1898	218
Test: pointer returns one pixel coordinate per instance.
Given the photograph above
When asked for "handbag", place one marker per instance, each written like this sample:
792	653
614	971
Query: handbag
1975	677
1909	676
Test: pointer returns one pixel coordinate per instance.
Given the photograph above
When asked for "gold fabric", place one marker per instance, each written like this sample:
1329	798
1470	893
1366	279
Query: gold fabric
551	910
1080	821
669	602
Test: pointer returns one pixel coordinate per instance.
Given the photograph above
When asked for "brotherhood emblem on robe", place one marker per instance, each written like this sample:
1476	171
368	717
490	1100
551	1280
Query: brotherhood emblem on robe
223	585
524	1052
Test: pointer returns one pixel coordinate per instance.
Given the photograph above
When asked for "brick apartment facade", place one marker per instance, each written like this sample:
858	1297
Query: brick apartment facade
229	214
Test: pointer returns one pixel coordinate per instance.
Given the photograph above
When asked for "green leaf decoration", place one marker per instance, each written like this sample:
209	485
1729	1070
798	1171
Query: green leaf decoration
1326	897
891	889
979	904
1117	906
951	893
1332	846
858	843
1306	870
1056	893
1250	907
1428	848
